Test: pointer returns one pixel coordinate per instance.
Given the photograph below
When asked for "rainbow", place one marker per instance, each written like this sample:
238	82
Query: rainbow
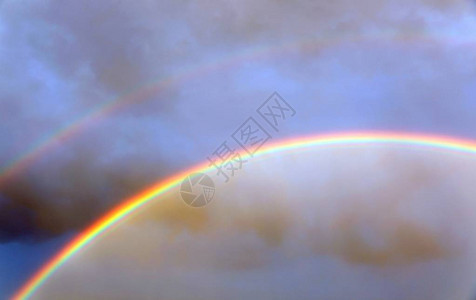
113	218
48	143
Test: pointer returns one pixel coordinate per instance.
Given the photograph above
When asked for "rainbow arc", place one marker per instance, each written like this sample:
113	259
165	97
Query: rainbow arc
119	213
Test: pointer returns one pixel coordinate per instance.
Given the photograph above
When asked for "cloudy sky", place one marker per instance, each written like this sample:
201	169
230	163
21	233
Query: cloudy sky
394	224
186	75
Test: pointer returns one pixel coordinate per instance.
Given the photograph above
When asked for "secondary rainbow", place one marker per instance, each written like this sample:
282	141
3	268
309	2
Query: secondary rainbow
102	225
23	161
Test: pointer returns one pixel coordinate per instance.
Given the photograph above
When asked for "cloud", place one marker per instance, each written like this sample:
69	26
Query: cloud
339	227
342	65
407	243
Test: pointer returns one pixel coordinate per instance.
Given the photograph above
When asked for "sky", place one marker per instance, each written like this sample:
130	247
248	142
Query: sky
187	75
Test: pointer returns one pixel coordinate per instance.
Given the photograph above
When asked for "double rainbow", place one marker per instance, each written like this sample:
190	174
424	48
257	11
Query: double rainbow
102	111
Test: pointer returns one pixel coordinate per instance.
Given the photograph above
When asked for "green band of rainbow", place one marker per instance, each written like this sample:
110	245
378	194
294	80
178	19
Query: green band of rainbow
130	205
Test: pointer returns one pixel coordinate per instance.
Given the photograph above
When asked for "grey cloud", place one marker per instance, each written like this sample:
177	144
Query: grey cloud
60	59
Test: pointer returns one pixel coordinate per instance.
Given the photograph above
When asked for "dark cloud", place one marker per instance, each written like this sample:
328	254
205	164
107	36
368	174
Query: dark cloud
16	221
343	65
